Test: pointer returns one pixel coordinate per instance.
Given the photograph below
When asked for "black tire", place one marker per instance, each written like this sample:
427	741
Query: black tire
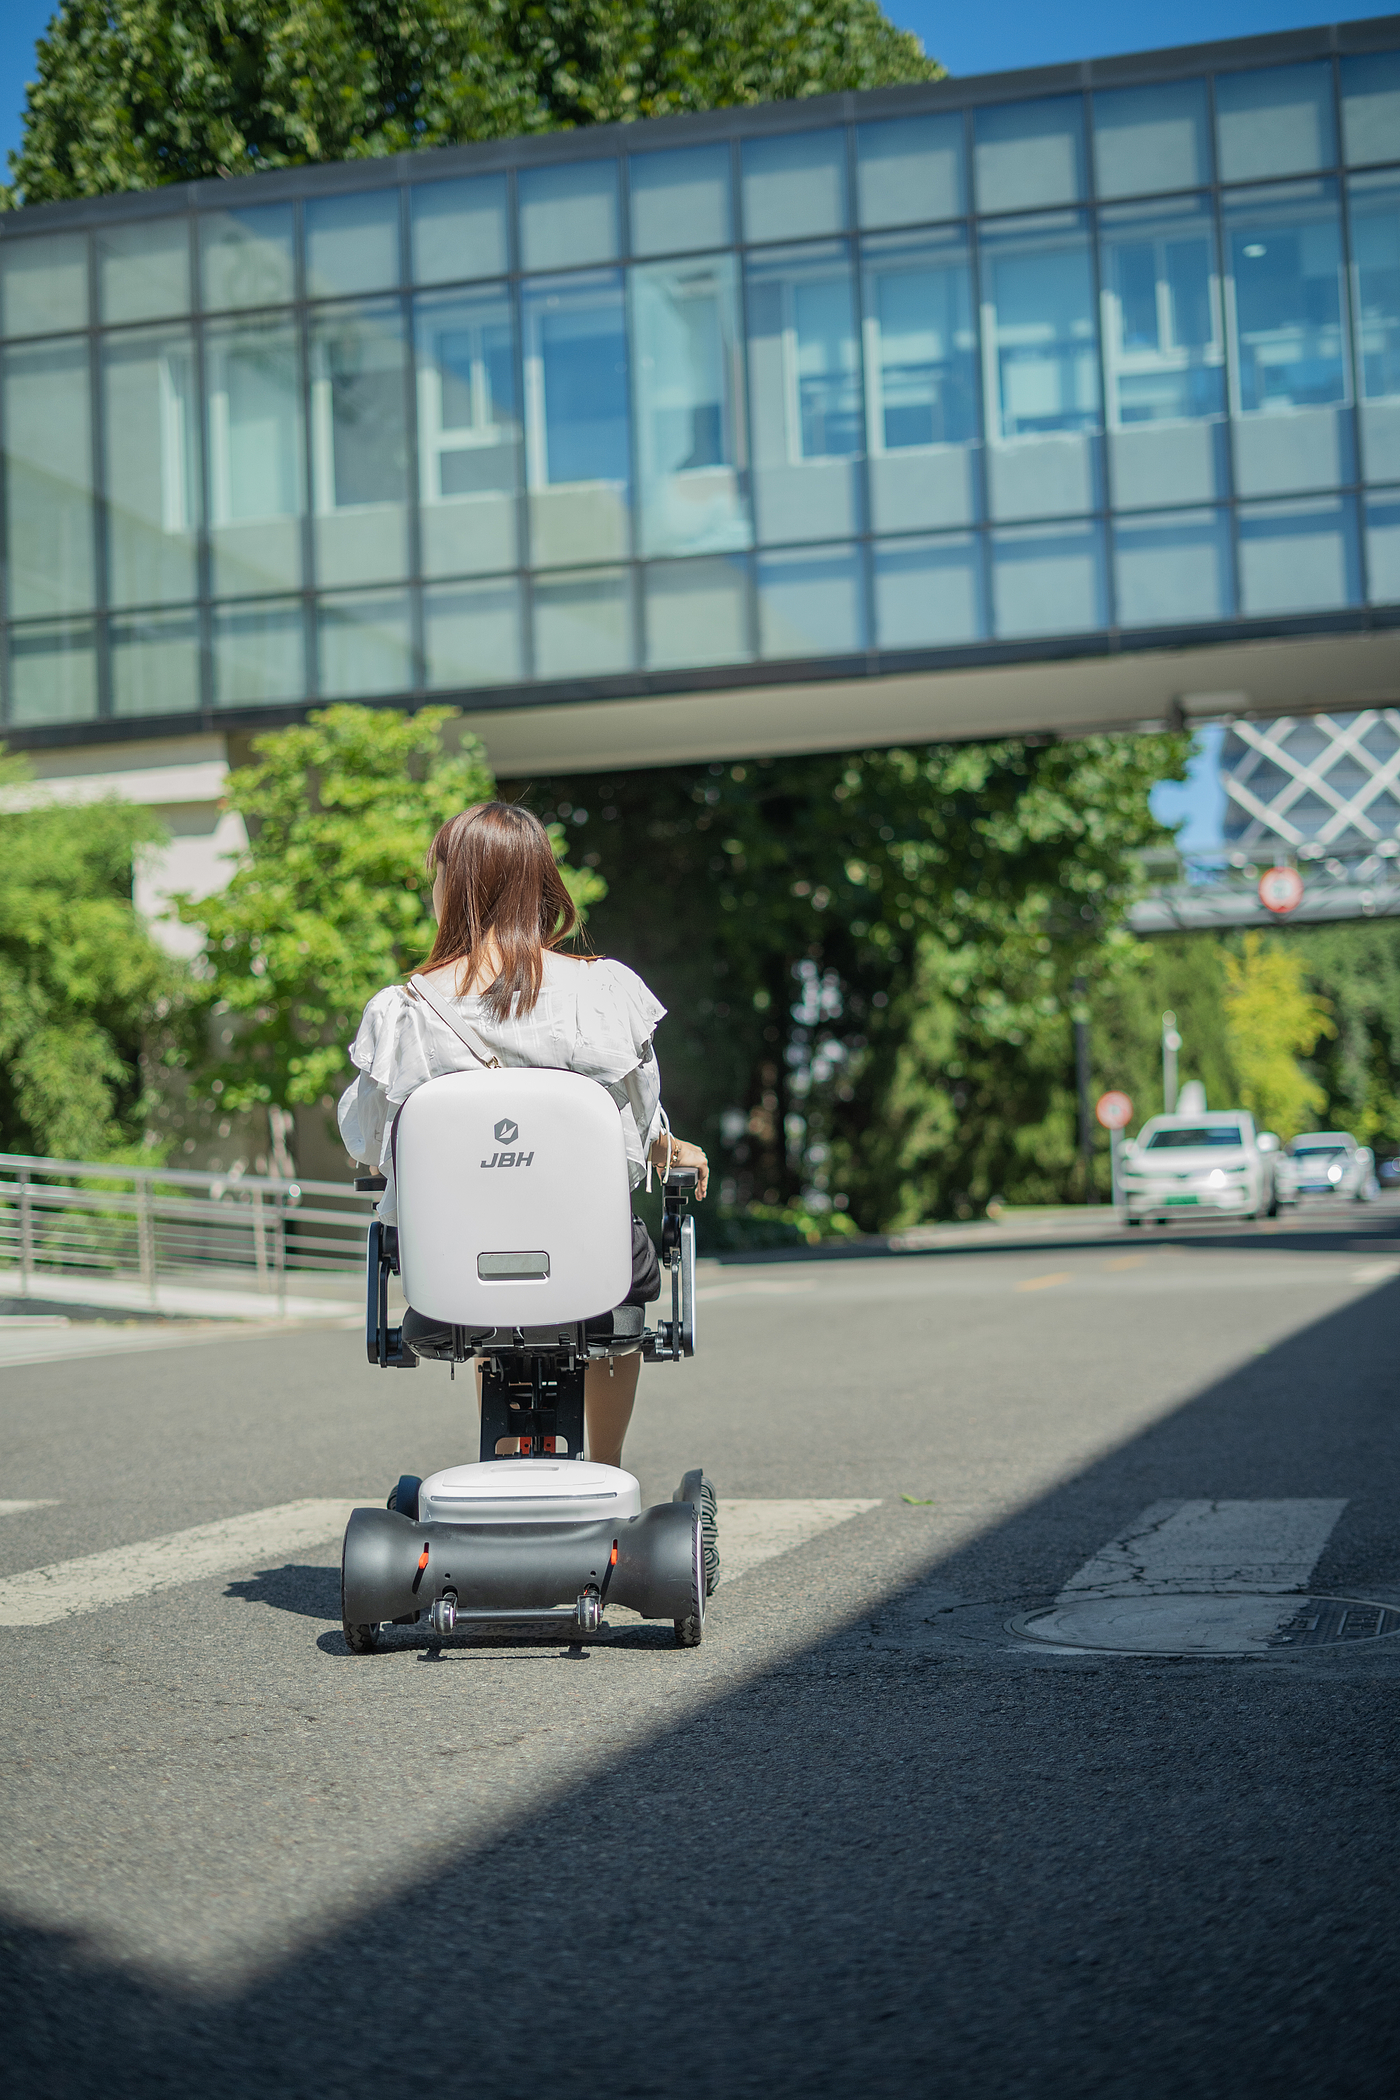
404	1496
1133	1224
700	1493
690	1630
360	1640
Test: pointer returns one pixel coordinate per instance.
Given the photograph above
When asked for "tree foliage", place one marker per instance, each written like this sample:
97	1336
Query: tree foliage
1275	1020
332	900
134	93
869	957
88	1003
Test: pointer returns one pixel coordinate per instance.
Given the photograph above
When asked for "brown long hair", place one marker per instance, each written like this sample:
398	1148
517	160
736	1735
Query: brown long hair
499	877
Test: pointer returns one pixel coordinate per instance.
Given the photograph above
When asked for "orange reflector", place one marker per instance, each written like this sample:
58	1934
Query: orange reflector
422	1560
613	1561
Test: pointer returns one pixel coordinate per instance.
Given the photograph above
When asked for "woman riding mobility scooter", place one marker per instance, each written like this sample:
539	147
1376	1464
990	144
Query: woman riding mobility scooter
514	1232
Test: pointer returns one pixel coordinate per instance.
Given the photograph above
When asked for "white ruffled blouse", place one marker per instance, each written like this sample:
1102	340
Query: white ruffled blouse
597	1018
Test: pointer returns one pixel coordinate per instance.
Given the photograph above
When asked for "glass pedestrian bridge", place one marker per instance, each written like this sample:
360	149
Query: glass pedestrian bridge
1035	401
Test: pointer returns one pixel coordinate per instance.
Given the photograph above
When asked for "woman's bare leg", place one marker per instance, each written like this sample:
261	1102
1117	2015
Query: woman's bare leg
609	1391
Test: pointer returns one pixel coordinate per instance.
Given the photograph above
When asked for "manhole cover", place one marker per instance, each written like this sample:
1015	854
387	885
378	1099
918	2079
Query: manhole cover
1207	1625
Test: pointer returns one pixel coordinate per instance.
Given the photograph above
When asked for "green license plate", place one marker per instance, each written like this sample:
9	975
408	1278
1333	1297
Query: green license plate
1182	1199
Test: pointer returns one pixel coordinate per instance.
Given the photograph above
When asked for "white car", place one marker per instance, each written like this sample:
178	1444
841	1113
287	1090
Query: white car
1194	1163
1331	1163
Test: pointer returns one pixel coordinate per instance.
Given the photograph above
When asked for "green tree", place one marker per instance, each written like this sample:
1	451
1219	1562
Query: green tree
331	901
1275	1021
89	1005
133	93
866	954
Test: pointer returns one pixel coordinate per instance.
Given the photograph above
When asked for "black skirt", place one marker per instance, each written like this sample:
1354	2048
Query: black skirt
646	1268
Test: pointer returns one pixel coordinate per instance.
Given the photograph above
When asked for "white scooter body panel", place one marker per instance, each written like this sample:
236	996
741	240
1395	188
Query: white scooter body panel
529	1491
515	1208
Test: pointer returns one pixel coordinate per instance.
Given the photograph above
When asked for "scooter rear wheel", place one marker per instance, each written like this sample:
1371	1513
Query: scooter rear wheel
361	1640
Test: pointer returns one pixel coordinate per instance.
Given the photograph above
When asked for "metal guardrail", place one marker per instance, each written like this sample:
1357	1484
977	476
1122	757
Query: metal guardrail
145	1228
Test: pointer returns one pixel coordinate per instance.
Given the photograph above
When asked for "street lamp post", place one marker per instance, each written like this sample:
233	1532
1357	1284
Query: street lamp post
1171	1043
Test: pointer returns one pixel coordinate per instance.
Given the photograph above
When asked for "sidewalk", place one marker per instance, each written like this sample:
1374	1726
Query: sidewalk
185	1301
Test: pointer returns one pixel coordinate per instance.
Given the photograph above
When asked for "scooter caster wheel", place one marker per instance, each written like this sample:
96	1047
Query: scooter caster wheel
689	1632
404	1497
361	1640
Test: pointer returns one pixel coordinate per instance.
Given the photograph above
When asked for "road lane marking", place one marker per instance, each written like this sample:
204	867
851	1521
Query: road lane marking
1376	1272
1202	1547
68	1588
753	1531
1044	1283
1126	1261
1206	1578
14	1509
750	1532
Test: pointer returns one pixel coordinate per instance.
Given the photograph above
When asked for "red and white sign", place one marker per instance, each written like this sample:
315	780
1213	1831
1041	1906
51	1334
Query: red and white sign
1114	1111
1280	890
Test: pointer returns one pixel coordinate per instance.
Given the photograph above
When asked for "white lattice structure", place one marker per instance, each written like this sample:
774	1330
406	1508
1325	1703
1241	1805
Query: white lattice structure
1317	785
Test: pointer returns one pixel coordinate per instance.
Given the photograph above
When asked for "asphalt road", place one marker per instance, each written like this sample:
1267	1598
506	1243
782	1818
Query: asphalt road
865	1840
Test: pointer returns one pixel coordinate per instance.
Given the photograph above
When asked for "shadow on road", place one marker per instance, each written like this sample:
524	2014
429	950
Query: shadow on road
312	1593
894	1864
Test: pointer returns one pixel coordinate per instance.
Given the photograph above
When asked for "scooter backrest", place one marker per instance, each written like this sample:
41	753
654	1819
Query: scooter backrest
513	1198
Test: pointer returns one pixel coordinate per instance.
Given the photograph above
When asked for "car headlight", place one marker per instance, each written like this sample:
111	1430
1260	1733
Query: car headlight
1334	1173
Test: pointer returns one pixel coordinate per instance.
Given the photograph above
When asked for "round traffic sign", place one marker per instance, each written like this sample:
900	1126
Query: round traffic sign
1280	889
1114	1111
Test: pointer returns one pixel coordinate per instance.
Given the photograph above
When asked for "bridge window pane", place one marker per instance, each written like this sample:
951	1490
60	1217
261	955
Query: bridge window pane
472	633
1284	261
352	243
53	674
256	476
155	664
1029	153
363	645
680	201
1040	366
685	326
246	257
1383	547
804	391
1049	580
1173	568
578	454
1371	107
143	271
1298	557
909	170
48	478
583	624
1276	122
259	654
1150	139
43	284
459	229
928	593
1375	234
794	186
1164	353
359	460
811	604
470	439
152	471
921	382
568	215
697	613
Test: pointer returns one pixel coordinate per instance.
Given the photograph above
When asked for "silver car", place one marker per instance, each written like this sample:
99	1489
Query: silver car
1331	1163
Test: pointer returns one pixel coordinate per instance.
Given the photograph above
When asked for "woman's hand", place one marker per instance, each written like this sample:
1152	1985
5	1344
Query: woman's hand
677	1153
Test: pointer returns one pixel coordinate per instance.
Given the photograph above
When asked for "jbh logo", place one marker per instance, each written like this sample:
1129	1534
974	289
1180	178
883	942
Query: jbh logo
506	1133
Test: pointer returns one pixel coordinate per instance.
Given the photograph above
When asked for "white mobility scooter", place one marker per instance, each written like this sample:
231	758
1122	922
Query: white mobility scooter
514	1238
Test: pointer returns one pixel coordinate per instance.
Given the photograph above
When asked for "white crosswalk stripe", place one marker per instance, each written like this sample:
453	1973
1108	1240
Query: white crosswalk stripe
750	1532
